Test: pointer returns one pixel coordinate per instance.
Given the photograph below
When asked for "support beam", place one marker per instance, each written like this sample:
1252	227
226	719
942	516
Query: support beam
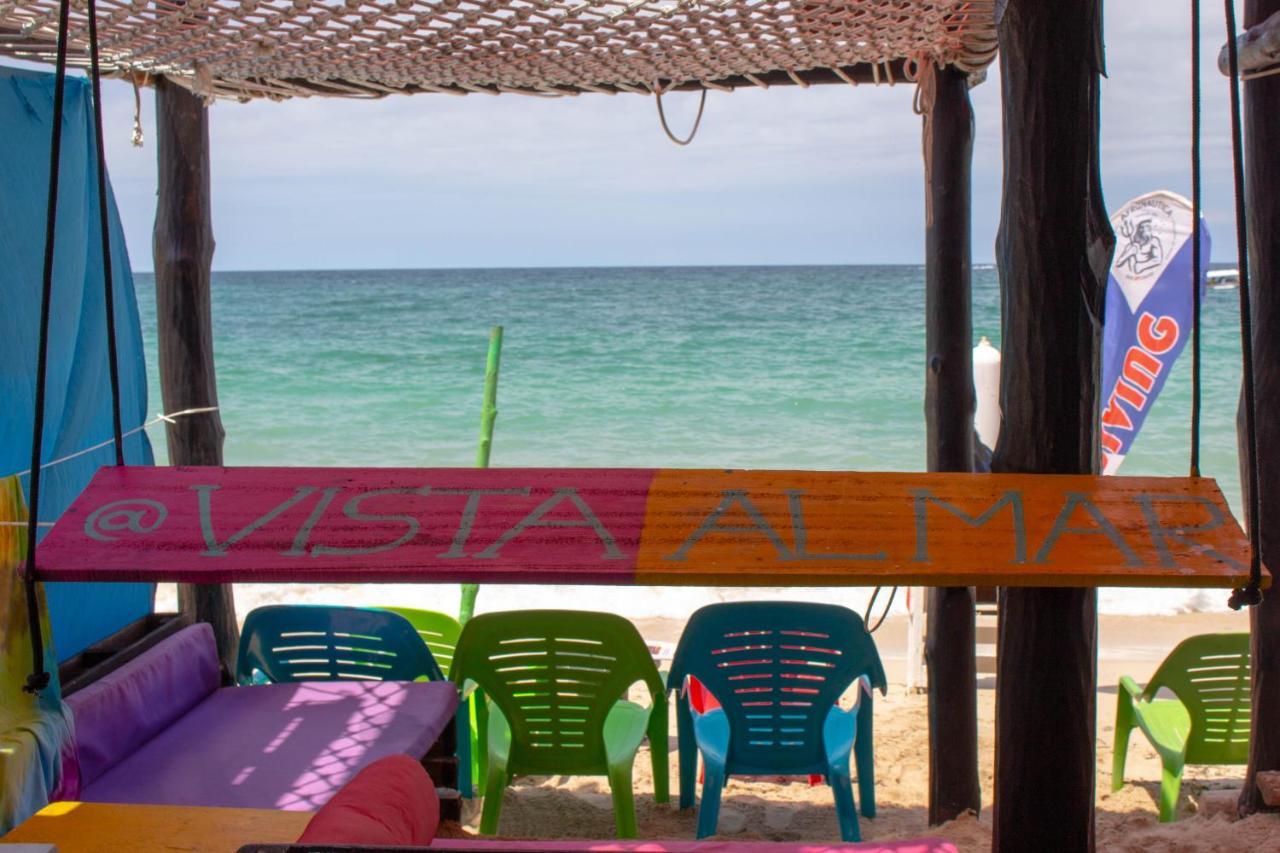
949	402
1053	250
183	251
1262	140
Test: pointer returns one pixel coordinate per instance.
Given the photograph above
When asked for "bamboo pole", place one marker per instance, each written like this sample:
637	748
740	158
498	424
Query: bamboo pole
488	415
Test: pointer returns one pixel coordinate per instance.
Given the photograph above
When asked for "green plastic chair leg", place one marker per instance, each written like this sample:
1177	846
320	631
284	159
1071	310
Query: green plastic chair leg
660	749
494	787
497	774
1120	748
1170	785
624	801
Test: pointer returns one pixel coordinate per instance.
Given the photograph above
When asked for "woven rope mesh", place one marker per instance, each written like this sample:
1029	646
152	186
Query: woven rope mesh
282	48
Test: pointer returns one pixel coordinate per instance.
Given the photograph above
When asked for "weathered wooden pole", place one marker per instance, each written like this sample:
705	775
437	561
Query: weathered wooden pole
949	402
183	250
1262	141
1053	250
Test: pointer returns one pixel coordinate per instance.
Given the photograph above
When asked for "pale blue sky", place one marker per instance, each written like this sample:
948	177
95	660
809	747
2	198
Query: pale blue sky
829	174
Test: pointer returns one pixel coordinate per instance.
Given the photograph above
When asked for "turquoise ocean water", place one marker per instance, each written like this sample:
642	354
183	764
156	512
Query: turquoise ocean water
767	367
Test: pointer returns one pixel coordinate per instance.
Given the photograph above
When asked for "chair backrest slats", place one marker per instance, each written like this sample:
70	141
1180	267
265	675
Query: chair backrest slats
324	643
555	675
776	668
439	631
1210	675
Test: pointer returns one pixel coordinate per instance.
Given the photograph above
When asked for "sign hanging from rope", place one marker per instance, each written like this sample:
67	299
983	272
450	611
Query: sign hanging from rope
644	526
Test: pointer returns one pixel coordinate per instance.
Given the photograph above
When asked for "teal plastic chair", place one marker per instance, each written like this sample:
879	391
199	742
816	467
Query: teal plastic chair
440	632
556	682
305	642
777	671
1207	721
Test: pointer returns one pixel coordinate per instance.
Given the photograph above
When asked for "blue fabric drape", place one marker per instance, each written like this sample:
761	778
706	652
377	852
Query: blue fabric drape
78	395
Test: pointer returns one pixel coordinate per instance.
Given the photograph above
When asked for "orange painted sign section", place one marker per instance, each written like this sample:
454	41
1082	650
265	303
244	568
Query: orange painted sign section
819	528
644	526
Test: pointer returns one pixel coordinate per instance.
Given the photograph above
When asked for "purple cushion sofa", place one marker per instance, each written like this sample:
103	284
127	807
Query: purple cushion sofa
162	730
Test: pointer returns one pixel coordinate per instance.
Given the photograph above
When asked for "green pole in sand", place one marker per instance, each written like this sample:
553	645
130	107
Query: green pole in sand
488	414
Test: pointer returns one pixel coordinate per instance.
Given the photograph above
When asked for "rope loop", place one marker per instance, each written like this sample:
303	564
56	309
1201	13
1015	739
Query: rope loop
662	117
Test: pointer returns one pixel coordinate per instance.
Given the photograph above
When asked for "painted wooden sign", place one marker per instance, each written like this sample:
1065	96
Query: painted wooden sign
640	526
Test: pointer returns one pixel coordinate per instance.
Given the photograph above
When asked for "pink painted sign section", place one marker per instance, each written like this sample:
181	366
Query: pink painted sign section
216	525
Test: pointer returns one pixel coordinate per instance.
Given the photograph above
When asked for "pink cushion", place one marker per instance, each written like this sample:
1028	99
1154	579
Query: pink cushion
284	746
392	801
119	713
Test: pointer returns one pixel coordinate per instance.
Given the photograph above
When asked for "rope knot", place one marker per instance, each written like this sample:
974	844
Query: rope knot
1246	596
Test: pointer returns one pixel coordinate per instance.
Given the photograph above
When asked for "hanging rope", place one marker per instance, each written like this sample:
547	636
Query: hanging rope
866	615
1251	594
108	284
662	117
39	678
1195	238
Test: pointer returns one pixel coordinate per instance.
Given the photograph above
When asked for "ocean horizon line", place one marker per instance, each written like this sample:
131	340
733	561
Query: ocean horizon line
555	267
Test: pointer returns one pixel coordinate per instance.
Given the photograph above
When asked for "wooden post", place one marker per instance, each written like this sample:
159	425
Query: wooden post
949	402
183	252
1262	138
1053	250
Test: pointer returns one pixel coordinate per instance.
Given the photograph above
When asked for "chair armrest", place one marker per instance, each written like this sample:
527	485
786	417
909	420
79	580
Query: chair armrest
1129	686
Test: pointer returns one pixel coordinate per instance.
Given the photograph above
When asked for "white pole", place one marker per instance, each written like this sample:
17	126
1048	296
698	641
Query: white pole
916	675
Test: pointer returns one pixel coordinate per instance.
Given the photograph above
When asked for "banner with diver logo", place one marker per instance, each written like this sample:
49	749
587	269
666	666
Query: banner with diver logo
1149	312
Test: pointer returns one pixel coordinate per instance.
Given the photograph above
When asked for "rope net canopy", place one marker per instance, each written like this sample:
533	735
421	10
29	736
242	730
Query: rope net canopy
354	48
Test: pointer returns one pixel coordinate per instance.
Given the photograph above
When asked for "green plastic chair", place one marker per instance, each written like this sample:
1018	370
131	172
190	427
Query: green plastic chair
1207	722
556	682
440	632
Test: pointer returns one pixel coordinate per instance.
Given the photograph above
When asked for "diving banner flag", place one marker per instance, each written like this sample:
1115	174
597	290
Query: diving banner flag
1149	312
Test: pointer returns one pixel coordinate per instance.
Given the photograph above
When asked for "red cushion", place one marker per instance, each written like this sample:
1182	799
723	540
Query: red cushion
392	801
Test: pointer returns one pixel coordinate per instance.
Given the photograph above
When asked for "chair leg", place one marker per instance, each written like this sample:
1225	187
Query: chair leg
1120	746
846	809
864	758
495	785
465	781
660	748
624	801
713	779
1170	786
687	749
479	736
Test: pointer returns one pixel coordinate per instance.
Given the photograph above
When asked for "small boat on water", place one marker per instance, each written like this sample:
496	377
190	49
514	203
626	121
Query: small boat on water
1223	279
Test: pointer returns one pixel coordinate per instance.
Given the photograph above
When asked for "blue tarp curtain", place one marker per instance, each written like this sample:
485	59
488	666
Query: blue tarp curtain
78	401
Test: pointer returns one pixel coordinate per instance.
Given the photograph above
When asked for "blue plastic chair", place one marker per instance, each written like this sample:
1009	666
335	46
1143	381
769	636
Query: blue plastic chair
305	642
777	670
